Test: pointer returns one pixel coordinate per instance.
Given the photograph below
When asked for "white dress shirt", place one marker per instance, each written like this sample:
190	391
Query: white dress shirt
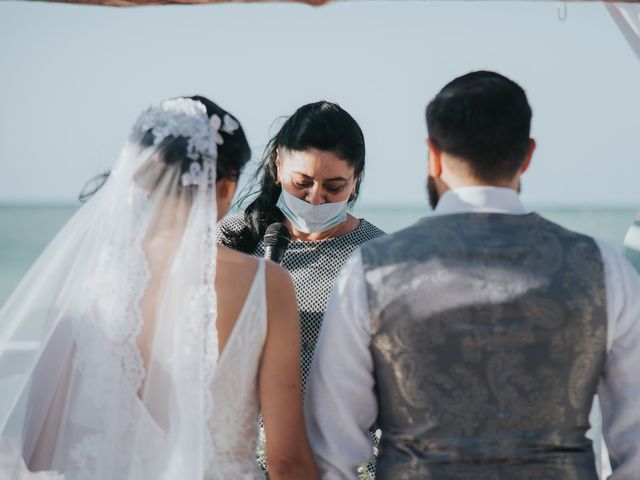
632	243
341	403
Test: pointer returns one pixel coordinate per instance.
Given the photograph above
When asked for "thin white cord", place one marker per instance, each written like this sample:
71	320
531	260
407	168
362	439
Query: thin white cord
562	10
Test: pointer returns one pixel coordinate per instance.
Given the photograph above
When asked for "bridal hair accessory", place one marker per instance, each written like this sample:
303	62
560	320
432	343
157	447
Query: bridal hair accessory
193	176
227	125
185	117
180	117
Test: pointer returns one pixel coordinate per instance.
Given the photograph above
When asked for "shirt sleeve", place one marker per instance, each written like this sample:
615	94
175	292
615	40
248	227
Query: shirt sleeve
340	402
632	244
227	227
619	388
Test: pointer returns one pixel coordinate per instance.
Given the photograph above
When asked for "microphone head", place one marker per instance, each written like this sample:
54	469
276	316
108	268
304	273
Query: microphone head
277	235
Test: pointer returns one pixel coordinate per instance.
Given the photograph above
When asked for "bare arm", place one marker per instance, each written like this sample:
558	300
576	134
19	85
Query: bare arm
288	452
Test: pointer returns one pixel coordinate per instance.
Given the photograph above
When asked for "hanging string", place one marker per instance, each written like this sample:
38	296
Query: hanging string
93	185
562	10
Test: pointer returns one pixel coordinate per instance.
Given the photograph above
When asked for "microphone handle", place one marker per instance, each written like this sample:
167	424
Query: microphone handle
274	254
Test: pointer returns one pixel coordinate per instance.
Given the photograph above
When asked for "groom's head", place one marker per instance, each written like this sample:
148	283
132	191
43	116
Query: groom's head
479	126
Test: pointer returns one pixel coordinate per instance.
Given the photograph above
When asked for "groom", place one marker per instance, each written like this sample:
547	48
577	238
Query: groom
478	337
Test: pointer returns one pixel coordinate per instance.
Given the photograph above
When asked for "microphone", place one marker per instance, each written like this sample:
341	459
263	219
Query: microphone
276	240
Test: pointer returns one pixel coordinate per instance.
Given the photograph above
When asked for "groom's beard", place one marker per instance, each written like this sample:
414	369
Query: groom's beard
432	192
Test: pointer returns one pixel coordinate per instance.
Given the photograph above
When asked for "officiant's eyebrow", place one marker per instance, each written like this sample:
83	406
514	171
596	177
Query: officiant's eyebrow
334	179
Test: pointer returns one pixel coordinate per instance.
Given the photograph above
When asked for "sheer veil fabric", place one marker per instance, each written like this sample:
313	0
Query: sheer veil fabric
108	346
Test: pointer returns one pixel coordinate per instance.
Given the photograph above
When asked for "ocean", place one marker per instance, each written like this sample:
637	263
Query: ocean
25	230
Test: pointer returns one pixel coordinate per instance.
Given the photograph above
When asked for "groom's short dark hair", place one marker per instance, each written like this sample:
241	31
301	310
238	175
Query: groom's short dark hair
484	119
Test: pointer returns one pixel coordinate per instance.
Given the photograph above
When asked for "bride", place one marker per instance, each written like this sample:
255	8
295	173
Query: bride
135	348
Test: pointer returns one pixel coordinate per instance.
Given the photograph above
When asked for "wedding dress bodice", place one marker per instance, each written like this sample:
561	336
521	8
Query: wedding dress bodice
236	406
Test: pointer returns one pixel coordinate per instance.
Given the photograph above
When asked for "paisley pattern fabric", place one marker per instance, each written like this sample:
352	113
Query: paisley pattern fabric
488	339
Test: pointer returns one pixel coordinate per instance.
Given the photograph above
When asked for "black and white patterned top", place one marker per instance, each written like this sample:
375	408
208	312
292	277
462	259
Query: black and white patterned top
313	266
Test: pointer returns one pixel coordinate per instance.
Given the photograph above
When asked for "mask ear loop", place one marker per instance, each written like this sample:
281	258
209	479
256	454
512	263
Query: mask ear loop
276	164
354	195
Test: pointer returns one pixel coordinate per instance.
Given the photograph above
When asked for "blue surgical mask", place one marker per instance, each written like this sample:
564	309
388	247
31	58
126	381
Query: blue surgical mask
312	218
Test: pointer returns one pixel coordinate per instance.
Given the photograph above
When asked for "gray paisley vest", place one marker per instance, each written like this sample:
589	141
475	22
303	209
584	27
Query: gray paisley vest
488	339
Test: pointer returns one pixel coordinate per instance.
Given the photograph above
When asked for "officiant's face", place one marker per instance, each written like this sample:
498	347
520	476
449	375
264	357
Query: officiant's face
316	176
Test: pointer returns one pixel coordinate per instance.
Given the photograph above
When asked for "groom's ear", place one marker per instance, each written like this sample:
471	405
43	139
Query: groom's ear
435	159
527	161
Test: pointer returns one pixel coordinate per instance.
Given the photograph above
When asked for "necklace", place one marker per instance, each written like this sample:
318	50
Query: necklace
339	230
315	244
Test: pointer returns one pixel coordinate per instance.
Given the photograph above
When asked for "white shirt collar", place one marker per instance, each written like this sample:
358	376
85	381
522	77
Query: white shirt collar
480	200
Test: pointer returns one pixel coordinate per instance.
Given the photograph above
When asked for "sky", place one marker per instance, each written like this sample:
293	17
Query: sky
74	78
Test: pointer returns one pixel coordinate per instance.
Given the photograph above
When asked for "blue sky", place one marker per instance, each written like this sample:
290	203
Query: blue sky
74	78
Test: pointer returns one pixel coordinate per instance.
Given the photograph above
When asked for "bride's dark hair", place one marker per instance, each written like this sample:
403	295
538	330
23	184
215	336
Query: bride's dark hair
233	153
321	126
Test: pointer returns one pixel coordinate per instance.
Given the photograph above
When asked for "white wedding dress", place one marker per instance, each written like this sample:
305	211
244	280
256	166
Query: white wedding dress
109	362
235	391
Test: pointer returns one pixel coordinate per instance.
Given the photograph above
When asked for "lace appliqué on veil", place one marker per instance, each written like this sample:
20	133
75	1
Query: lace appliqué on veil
108	358
188	119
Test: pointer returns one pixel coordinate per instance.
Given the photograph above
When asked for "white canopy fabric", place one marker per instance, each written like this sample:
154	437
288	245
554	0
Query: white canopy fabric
627	17
130	3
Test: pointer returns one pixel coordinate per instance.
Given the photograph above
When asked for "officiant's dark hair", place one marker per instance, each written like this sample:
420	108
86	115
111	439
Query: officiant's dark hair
321	126
484	119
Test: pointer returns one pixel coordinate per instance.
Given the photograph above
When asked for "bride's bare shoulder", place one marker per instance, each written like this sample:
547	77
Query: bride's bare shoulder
235	263
238	264
278	277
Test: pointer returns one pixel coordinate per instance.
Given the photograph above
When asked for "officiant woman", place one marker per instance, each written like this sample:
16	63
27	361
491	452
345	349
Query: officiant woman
309	178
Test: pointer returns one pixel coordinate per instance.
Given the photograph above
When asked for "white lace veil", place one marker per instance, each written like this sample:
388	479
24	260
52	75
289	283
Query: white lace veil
109	343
